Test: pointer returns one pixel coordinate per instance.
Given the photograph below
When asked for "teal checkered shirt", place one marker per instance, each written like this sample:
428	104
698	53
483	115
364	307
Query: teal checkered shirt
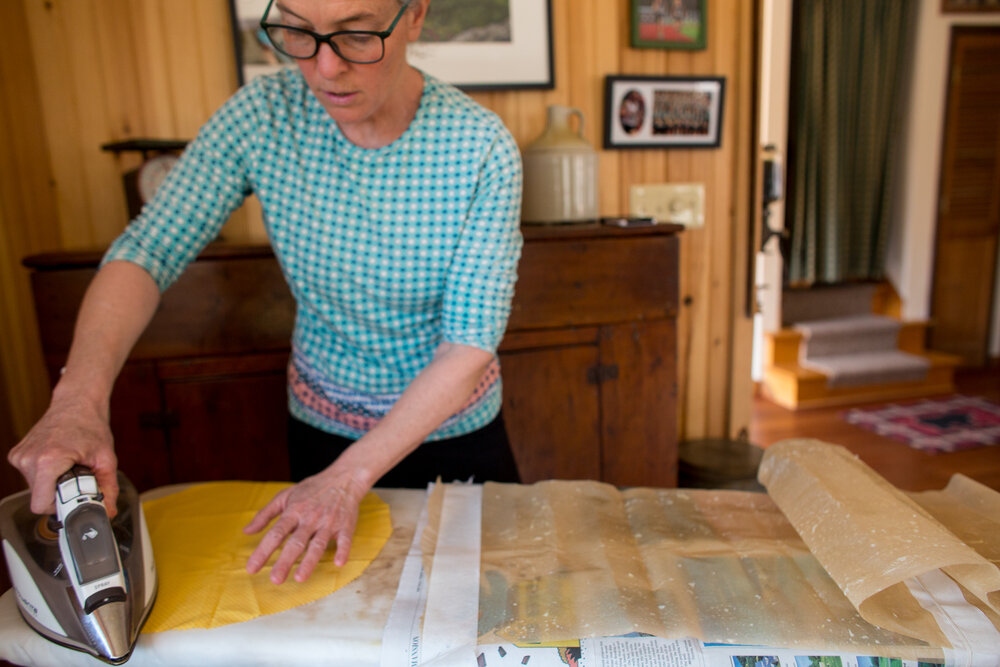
388	251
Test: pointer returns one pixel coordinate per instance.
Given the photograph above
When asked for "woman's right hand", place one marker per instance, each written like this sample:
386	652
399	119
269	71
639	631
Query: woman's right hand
116	308
71	431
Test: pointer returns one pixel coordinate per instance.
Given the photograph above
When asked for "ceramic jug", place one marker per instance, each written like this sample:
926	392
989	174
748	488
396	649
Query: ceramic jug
560	172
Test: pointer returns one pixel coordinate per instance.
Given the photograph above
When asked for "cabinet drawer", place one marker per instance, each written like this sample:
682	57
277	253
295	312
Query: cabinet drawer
234	306
595	281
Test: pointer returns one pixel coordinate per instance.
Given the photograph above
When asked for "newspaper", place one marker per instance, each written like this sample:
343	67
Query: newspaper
643	651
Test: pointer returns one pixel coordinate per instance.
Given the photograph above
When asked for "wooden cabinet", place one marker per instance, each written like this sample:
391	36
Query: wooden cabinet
202	395
588	361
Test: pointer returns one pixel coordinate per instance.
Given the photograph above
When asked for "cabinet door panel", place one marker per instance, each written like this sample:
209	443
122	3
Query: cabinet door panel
228	428
552	413
639	404
140	442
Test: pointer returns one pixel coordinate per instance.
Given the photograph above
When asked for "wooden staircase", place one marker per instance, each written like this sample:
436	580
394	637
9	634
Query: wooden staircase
790	385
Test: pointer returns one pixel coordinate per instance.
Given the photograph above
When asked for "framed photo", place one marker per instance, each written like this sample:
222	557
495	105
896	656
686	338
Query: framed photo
669	24
482	45
970	5
663	111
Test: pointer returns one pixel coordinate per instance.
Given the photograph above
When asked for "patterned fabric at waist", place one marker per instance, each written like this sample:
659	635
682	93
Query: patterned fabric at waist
353	413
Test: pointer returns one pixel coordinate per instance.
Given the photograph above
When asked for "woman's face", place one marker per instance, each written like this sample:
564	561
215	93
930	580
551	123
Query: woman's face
353	93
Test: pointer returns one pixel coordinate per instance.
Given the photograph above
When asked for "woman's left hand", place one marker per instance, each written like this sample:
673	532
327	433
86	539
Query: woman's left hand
318	509
325	506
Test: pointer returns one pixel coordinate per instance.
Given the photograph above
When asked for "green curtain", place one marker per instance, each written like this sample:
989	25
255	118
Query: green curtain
849	64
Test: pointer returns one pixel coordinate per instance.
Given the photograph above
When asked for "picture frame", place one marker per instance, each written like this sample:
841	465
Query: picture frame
486	45
669	24
663	111
969	6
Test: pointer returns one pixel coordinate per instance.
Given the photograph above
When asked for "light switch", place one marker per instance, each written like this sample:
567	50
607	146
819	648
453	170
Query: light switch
678	203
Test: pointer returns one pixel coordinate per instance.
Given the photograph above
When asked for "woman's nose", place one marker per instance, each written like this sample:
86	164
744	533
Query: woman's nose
328	62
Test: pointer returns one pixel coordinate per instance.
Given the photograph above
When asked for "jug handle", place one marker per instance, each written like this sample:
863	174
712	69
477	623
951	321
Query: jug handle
579	117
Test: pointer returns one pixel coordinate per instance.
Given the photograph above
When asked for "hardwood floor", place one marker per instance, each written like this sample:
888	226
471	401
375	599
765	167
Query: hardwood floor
906	468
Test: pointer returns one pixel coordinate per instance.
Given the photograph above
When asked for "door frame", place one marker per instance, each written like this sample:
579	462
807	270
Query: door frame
774	53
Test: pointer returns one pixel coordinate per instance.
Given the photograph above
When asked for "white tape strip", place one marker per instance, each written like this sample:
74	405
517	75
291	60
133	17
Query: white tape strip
451	622
975	639
401	637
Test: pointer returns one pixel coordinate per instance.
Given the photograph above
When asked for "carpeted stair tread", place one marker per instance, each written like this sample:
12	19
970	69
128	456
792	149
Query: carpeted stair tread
848	335
862	368
853	357
800	305
858	350
846	325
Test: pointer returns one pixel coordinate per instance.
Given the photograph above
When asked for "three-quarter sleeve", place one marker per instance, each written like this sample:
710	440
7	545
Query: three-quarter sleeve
480	283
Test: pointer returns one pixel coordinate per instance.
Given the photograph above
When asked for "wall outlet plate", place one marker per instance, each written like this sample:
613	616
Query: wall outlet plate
677	203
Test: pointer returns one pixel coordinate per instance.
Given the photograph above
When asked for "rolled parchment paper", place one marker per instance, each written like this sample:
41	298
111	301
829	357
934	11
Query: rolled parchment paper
880	546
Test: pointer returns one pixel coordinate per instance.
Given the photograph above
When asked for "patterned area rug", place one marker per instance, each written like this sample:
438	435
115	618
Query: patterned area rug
946	425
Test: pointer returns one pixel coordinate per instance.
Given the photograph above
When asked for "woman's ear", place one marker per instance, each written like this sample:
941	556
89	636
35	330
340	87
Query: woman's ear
417	12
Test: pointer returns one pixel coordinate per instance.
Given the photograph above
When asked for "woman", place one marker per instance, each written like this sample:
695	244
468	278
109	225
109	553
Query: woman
392	203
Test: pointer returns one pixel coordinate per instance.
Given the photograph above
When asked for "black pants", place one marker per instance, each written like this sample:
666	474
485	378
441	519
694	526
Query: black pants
482	455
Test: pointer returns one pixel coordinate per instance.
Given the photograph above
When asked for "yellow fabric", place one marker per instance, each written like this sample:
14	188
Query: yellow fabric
201	554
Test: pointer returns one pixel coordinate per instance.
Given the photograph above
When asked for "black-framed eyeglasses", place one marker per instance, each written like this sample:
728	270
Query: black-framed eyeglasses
362	47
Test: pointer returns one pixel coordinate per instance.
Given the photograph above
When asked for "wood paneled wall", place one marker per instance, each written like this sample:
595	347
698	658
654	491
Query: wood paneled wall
75	74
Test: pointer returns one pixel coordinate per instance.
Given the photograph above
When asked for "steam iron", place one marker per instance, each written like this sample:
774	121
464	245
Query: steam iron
82	580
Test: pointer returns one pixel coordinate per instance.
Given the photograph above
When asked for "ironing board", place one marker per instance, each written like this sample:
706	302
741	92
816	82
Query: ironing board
343	629
599	571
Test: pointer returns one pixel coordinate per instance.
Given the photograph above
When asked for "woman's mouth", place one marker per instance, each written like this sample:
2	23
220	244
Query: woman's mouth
340	98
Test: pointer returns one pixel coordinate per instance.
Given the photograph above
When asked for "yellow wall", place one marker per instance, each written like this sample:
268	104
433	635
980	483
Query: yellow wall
76	74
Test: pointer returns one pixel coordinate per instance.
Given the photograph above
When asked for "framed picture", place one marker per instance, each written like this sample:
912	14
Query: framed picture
482	45
663	111
669	24
970	5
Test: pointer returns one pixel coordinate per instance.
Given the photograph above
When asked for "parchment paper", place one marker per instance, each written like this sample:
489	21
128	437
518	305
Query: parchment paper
564	560
873	538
